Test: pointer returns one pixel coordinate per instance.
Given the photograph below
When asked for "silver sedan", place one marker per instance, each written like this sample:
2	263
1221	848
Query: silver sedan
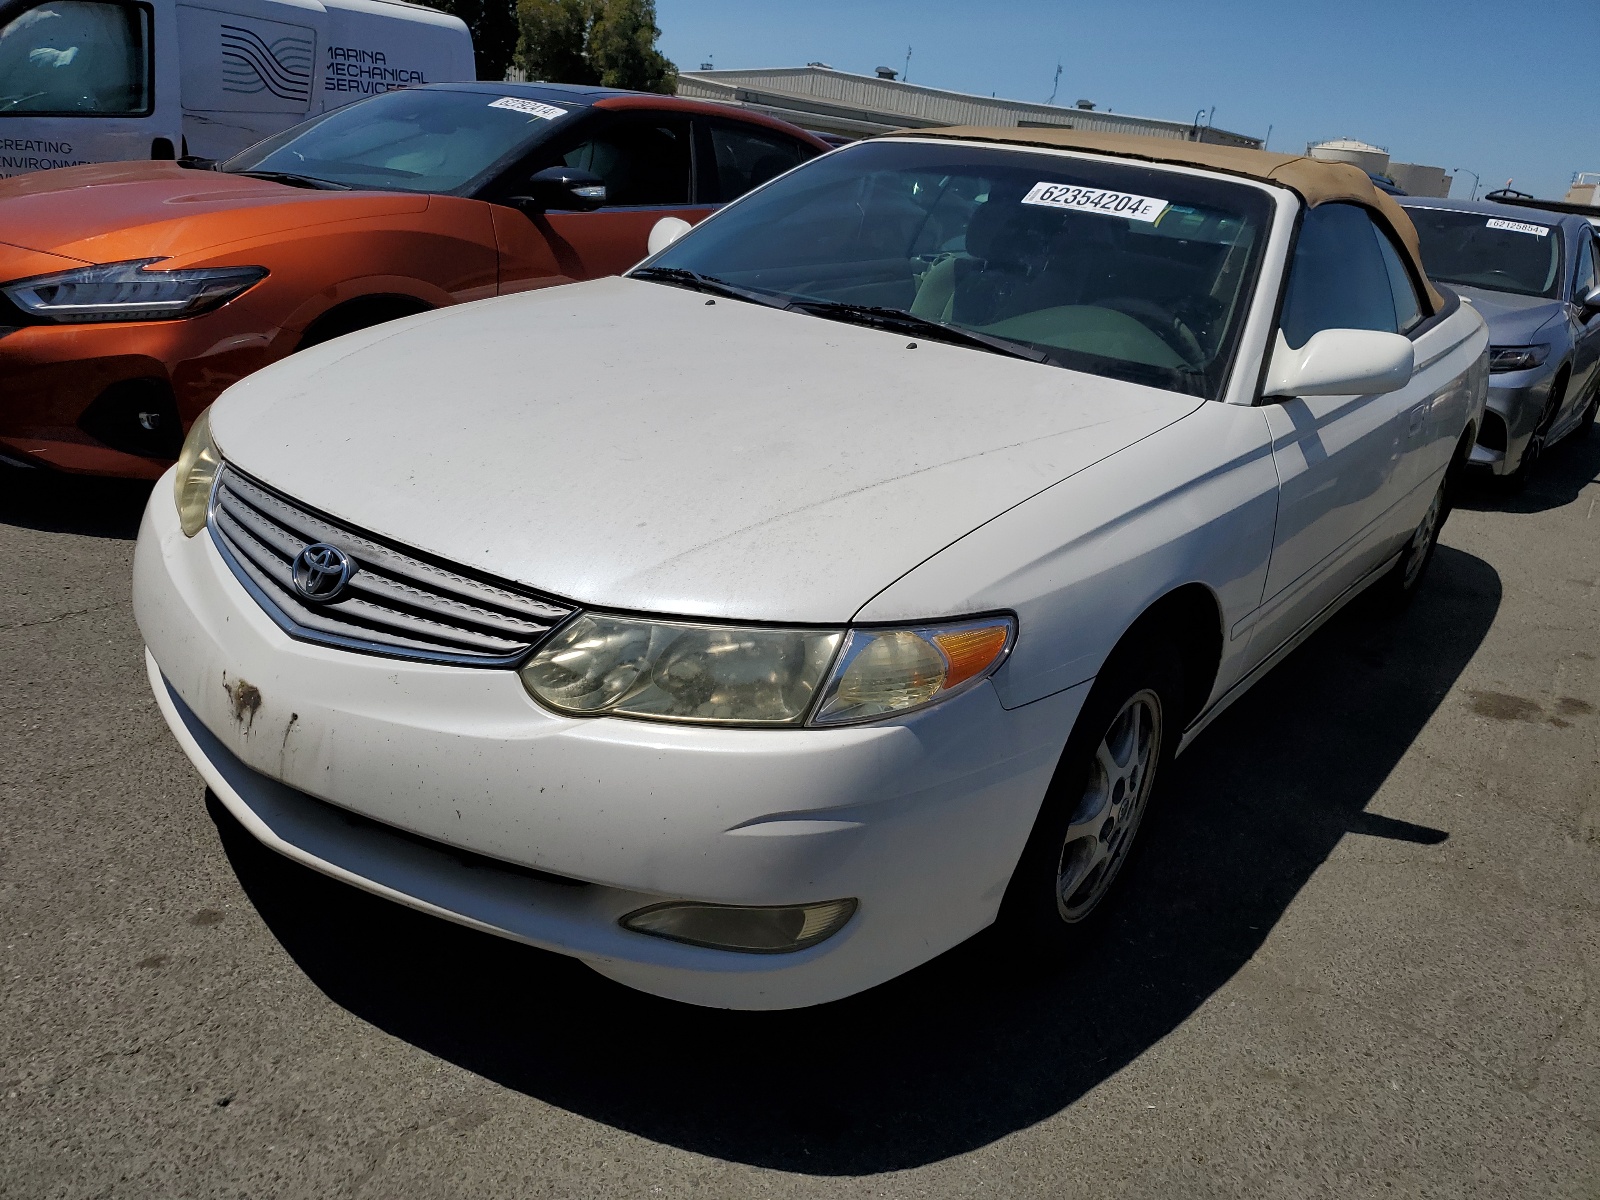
1533	275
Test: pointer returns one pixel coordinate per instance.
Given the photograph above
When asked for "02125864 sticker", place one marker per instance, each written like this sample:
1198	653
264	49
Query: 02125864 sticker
532	107
1096	200
1518	226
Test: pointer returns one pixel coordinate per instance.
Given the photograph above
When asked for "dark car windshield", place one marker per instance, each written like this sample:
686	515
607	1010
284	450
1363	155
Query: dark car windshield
1502	254
1122	270
421	140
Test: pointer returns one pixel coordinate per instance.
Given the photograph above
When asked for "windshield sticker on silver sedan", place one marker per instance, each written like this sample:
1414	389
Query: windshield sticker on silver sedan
1082	199
1518	226
532	107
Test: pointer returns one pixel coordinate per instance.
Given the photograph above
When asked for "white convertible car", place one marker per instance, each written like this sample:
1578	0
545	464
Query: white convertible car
842	581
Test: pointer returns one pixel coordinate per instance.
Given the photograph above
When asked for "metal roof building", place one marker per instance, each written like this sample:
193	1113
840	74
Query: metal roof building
819	98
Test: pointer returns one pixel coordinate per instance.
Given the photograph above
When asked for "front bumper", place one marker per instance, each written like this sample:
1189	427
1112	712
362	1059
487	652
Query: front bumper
921	820
54	376
1516	400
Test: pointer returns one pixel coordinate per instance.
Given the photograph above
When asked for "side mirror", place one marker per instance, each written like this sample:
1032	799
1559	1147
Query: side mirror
563	188
1341	362
664	232
1589	302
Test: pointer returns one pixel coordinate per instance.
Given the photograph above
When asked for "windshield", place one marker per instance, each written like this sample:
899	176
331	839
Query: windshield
421	140
1480	250
1122	270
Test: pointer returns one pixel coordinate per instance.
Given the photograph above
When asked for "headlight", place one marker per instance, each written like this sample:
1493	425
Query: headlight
599	665
1516	358
126	291
716	673
197	471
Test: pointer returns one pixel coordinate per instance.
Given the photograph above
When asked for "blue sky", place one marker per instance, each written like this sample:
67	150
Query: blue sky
1508	89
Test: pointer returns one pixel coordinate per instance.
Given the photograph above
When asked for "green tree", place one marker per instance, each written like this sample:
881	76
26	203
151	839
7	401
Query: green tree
606	42
494	32
622	45
554	40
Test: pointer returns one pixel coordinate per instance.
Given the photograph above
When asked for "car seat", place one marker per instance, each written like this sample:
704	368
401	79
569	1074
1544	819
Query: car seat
1016	259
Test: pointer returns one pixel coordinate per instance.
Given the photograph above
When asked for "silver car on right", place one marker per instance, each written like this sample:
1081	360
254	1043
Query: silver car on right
1535	277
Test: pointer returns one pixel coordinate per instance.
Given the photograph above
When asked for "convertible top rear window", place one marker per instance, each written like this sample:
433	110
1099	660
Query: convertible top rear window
1114	268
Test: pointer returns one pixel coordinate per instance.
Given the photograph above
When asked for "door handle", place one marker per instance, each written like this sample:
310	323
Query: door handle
1419	417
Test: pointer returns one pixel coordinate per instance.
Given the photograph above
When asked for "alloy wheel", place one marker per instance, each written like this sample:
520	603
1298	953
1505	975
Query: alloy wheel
1422	542
1535	448
1531	455
1101	830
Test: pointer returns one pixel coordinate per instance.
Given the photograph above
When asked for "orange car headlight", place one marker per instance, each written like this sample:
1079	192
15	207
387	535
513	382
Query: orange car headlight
129	291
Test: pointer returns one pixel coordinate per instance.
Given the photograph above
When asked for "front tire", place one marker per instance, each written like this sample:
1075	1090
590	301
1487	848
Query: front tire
1119	751
1405	577
1534	450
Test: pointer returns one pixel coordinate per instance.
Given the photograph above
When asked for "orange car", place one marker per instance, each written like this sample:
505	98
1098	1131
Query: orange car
131	294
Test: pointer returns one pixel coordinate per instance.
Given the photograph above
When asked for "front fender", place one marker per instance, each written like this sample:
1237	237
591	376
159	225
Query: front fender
1080	562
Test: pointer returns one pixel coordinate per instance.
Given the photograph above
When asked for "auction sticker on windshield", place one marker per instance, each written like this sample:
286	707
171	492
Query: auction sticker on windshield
532	107
1082	199
1518	226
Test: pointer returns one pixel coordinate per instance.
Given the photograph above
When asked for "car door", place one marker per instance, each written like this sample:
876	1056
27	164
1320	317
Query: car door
1433	425
647	162
1585	331
1340	459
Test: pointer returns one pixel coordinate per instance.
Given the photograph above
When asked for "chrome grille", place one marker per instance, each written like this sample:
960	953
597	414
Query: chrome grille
396	603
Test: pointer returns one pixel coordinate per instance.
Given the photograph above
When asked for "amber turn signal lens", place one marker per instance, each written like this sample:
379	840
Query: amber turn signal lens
881	672
970	651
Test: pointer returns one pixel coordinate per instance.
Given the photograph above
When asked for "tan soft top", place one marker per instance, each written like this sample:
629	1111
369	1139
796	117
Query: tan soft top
1316	182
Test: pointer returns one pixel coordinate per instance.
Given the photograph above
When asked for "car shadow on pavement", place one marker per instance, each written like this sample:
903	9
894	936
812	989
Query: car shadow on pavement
55	502
960	1052
1566	469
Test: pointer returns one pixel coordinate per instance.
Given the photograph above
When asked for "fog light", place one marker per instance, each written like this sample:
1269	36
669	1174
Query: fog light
782	929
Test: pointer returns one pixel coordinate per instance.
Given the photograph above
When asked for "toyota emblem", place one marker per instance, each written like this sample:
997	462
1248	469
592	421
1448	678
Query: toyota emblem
321	572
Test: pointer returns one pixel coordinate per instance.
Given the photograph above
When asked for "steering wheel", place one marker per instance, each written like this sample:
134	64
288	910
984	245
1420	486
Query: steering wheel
1166	325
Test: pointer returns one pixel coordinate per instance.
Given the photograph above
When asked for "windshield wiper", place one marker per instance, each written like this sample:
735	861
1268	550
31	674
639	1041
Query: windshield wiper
696	282
293	180
900	321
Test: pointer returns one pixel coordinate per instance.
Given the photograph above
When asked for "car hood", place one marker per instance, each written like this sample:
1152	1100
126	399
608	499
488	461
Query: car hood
18	263
116	211
630	445
1513	320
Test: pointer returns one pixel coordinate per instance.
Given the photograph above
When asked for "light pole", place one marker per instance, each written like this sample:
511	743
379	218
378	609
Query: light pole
1474	174
1194	130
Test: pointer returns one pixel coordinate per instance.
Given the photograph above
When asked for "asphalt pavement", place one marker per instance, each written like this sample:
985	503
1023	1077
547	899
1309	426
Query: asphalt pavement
1358	954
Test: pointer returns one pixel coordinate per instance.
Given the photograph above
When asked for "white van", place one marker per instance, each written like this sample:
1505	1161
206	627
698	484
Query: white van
86	81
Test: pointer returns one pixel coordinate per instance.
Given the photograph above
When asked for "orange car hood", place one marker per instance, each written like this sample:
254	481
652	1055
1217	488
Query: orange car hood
115	211
19	263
